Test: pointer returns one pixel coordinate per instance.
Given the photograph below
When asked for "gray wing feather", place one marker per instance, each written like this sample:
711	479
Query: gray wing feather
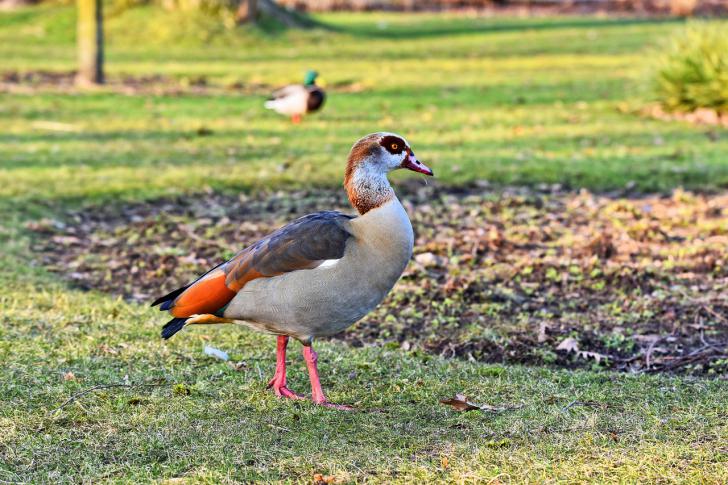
303	244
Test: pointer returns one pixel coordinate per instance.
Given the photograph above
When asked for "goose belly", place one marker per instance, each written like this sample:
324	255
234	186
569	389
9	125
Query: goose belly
320	301
325	300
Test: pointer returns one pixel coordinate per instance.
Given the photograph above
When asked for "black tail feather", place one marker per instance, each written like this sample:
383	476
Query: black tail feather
172	327
169	298
166	305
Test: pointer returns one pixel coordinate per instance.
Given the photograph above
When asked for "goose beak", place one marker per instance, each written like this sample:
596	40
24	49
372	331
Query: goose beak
415	165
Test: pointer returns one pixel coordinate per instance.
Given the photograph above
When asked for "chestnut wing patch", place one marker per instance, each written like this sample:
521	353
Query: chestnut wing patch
303	244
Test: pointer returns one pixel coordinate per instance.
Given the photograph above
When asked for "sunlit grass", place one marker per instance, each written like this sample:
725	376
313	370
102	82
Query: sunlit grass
567	426
511	101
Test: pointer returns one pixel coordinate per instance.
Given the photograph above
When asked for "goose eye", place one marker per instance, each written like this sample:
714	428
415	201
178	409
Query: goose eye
394	146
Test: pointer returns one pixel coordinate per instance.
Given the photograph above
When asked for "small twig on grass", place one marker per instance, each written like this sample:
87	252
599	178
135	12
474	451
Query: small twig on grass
461	403
715	314
279	428
650	349
576	402
191	234
698	351
671	362
75	397
705	342
500	409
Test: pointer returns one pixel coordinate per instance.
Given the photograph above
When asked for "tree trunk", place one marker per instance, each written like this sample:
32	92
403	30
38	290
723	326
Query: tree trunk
250	11
247	11
90	43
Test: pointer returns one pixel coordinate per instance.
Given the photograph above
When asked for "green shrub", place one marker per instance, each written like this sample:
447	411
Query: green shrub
691	69
199	14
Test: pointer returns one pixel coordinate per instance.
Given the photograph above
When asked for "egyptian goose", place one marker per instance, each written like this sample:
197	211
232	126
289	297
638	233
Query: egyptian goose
296	100
317	275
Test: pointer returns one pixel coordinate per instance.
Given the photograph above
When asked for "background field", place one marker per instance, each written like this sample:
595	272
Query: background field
510	101
533	101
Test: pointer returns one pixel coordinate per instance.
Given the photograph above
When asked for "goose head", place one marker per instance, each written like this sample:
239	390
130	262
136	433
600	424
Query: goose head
370	160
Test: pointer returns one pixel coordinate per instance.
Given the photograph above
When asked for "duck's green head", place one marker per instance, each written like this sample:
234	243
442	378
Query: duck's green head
310	78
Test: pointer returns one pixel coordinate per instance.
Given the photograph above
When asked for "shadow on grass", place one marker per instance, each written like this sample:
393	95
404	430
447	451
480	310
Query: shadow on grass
466	27
501	158
509	94
271	25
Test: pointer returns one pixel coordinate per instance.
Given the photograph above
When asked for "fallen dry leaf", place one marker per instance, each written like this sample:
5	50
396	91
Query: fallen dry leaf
238	366
592	355
460	403
569	344
495	238
542	332
69	376
105	348
321	479
429	260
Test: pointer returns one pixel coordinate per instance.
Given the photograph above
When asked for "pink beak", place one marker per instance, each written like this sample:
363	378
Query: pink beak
415	165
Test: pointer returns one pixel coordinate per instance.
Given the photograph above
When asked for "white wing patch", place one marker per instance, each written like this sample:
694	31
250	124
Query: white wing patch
328	263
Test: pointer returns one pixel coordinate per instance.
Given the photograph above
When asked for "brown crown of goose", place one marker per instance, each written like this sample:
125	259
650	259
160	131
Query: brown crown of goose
366	198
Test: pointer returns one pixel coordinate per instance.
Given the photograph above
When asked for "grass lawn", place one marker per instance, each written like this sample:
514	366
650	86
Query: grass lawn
573	426
511	101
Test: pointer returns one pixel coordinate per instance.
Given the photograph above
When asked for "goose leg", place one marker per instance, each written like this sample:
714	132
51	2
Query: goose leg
317	393
278	383
296	119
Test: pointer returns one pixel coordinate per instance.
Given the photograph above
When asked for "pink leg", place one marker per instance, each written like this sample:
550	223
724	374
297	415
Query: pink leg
278	383
317	393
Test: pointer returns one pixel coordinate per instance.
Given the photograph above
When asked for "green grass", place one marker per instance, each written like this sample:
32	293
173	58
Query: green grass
513	101
691	71
510	101
623	428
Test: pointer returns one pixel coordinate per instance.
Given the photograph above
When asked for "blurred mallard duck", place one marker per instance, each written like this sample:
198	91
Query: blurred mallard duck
298	99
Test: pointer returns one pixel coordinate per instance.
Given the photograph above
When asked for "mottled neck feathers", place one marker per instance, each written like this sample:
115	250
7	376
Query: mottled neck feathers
365	182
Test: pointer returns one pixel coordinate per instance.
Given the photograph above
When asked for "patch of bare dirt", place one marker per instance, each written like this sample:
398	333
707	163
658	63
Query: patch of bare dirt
28	82
700	116
531	8
64	81
518	276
